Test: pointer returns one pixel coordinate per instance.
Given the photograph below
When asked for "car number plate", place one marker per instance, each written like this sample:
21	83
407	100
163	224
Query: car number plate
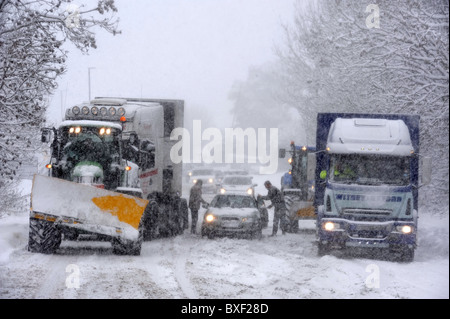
230	224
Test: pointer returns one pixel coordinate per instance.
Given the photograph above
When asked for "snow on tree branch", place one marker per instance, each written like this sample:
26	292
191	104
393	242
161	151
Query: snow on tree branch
32	34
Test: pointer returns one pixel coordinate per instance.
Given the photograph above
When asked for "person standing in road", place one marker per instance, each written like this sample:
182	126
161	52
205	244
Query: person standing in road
277	201
195	200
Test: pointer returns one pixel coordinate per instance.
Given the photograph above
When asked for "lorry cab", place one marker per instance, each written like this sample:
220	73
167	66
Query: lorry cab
367	182
88	152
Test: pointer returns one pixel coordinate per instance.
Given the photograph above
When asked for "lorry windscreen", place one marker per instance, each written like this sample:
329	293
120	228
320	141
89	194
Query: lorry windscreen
369	169
98	144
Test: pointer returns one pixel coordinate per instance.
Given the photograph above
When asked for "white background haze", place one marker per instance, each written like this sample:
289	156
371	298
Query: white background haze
176	49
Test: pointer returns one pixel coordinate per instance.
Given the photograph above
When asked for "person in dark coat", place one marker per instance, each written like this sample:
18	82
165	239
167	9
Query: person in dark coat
195	200
277	201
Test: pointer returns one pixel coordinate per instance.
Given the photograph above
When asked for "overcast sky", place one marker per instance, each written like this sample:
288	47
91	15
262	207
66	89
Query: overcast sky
177	49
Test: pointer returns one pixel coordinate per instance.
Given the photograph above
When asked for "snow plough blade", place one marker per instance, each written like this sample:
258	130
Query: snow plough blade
87	208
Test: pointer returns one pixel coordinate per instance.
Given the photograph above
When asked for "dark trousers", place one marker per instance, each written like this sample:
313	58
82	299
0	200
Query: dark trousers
279	217
194	215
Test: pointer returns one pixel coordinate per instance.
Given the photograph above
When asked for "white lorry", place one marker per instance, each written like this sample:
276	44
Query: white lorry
110	175
367	182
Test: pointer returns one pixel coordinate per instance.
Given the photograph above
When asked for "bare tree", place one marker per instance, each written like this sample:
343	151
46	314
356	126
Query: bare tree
261	102
32	57
337	61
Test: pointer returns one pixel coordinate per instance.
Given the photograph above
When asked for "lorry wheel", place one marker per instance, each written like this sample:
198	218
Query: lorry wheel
166	223
407	254
323	249
181	216
44	236
128	247
184	214
177	216
150	220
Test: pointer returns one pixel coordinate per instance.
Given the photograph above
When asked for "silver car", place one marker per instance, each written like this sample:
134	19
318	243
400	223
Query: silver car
232	215
237	184
208	176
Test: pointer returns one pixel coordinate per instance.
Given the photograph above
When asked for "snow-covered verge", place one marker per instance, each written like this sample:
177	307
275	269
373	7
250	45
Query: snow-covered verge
189	266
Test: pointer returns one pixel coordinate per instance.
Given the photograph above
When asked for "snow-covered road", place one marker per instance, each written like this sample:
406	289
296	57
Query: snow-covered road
188	266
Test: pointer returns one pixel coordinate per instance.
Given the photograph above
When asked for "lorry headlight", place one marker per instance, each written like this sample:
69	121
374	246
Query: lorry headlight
210	218
330	226
405	229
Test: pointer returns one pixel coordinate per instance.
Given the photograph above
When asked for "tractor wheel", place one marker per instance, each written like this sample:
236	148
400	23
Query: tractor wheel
43	237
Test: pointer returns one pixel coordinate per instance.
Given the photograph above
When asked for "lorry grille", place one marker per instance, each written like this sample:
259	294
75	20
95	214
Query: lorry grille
358	214
377	231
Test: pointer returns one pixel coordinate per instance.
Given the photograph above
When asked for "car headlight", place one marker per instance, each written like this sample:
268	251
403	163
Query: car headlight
210	218
405	229
330	226
210	180
223	190
250	191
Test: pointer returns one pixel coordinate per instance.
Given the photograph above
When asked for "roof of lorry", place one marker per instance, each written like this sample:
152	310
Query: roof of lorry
369	136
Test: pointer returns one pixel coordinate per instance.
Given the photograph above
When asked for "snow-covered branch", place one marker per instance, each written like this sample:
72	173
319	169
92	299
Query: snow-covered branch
31	60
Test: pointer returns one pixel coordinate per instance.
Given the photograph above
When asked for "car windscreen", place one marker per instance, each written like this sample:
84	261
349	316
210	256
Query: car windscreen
370	169
237	180
202	172
233	201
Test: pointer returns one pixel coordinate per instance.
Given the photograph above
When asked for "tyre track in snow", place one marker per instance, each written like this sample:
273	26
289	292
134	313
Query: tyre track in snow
55	282
176	252
189	266
105	275
181	263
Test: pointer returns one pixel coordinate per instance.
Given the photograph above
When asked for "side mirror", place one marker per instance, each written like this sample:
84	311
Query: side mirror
133	138
46	135
426	170
281	153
